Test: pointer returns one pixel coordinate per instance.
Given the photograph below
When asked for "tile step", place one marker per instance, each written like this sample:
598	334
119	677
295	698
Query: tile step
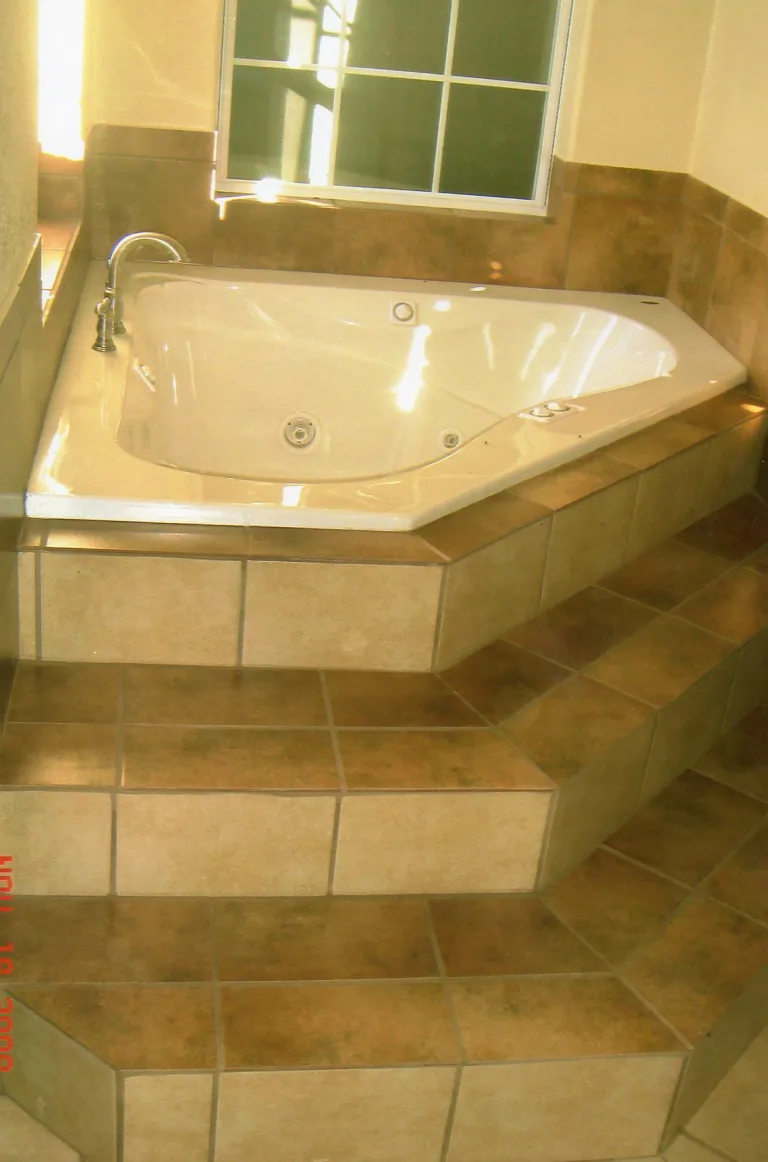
496	776
590	1020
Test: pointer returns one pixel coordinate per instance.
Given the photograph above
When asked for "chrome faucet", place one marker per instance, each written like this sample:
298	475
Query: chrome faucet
110	310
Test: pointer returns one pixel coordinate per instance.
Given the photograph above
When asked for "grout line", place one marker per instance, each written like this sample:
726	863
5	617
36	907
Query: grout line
717	778
38	606
549	824
680	1085
215	1090
297	793
217	1026
626	556
616	972
440	619
444	979
640	801
545	565
485	1061
241	615
507	638
686	1133
645	866
260	728
699	890
342	782
120	1115
114	793
458	1077
5	721
327	982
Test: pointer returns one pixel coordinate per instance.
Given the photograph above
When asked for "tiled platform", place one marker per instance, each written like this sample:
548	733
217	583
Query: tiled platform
495	776
570	1025
299	598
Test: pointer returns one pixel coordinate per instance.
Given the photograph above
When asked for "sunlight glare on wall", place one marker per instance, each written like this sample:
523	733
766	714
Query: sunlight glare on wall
61	34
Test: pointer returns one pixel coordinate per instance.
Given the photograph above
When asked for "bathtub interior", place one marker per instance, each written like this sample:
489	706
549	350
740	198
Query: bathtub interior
263	381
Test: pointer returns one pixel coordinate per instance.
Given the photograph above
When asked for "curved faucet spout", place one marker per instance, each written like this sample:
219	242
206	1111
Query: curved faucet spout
109	310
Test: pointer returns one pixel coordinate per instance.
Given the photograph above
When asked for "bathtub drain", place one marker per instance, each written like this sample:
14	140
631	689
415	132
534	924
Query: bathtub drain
300	431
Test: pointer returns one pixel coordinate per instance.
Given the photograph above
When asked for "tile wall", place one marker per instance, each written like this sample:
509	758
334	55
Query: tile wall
21	404
609	229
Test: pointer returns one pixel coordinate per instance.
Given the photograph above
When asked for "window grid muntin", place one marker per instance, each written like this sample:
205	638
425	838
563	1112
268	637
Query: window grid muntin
331	193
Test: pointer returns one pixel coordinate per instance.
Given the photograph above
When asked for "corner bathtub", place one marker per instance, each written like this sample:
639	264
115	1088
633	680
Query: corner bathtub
254	398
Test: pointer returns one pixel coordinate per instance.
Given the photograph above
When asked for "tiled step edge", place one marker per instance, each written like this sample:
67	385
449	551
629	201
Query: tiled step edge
613	1105
380	601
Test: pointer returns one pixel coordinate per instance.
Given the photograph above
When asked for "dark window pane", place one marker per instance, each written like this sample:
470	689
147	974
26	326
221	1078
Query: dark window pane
405	35
302	32
492	141
506	40
387	133
280	123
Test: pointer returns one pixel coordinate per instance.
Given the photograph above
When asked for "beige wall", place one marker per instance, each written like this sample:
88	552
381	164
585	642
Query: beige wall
640	66
731	150
153	63
18	148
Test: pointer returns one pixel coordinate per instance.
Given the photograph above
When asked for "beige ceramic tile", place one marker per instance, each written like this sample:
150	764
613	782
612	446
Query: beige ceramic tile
668	498
63	1085
348	1115
560	1111
223	844
750	685
167	1117
735	1118
491	590
734	462
23	1139
452	842
588	541
595	802
98	608
376	617
27	606
688	727
60	841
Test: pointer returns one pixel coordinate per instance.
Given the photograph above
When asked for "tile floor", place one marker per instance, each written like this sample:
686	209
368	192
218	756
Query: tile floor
638	955
631	962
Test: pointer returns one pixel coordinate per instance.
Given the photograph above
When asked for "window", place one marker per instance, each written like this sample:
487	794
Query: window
447	103
61	35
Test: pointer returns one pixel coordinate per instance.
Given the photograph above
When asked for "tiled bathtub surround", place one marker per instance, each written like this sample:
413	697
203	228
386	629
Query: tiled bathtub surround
140	178
500	773
573	1024
609	229
720	274
20	414
300	598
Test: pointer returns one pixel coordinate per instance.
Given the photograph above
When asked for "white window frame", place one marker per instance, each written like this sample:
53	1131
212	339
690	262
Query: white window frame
271	190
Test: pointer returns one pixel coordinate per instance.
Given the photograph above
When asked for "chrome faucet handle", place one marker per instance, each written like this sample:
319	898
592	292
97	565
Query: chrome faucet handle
104	313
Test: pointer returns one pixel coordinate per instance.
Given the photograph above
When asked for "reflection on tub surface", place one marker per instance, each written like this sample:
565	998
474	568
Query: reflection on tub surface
241	397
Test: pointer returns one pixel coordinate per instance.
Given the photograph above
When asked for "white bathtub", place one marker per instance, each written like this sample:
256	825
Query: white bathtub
397	423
